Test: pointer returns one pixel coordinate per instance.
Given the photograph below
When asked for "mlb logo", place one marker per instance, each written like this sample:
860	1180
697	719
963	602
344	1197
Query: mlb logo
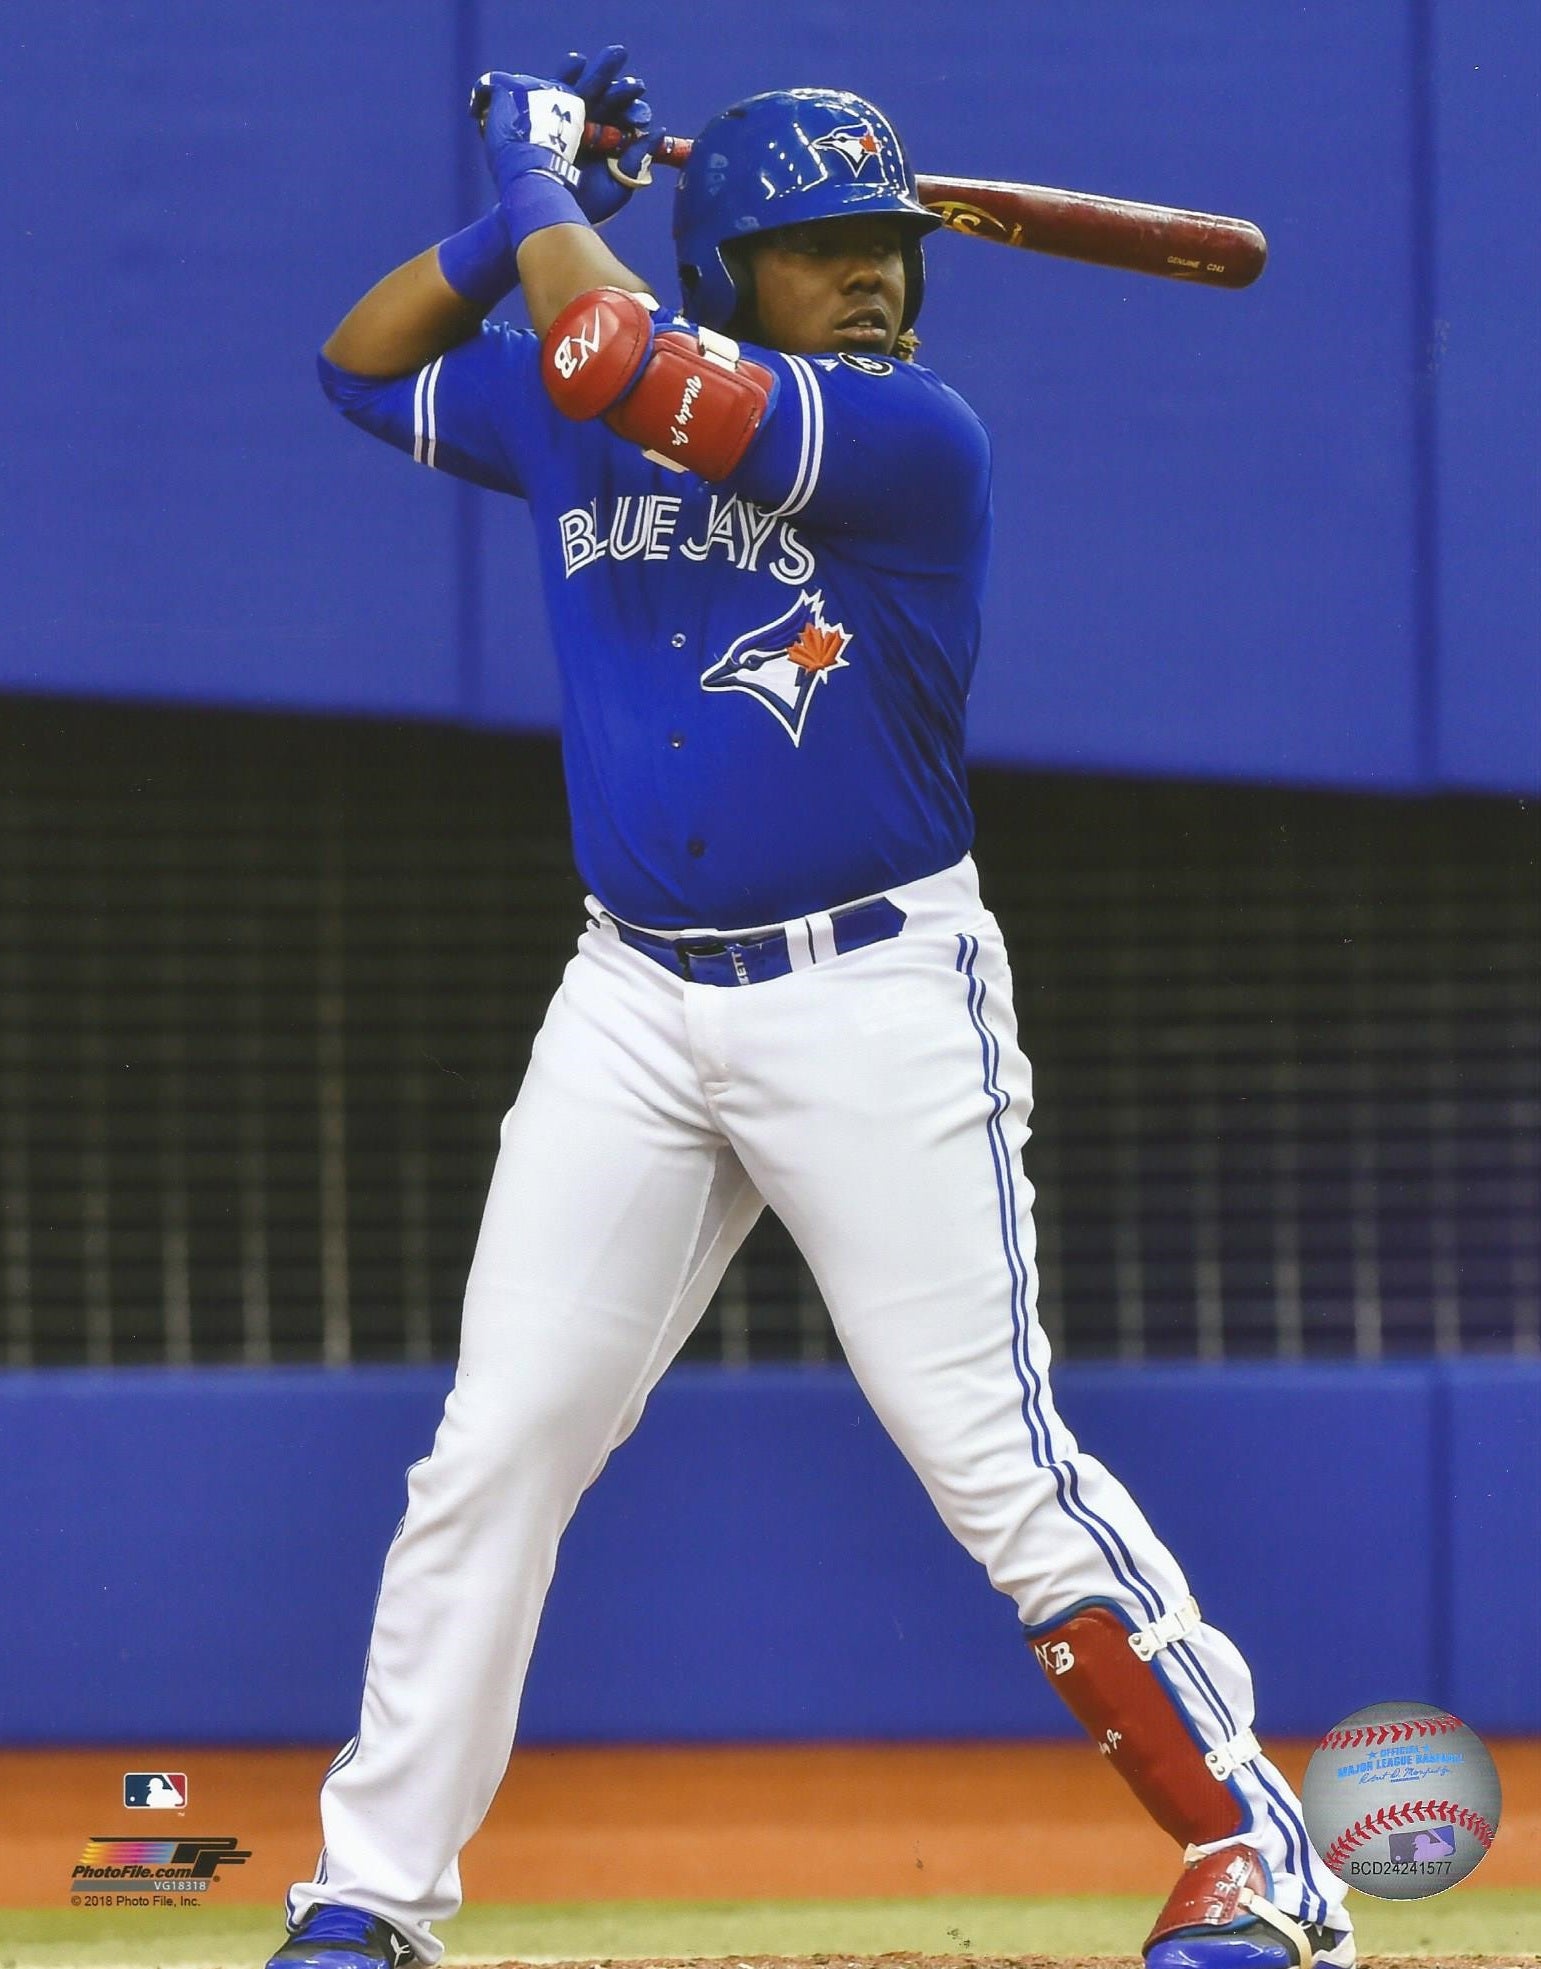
1437	1843
155	1791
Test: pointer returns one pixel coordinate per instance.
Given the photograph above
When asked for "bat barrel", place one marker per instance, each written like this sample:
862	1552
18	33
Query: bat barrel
1113	232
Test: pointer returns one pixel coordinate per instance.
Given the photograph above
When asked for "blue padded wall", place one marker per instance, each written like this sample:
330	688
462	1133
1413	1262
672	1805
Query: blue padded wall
1288	534
1485	385
1492	1450
758	1562
192	194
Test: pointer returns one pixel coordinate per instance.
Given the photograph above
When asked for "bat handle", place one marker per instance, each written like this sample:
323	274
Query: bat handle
604	140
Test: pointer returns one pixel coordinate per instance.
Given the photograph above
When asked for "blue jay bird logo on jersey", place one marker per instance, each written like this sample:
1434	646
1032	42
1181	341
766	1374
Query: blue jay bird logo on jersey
855	142
782	663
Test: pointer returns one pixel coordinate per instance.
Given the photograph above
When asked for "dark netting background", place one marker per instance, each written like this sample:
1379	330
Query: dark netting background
268	984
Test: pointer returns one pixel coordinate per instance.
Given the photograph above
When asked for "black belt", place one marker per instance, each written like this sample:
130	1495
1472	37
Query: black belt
752	960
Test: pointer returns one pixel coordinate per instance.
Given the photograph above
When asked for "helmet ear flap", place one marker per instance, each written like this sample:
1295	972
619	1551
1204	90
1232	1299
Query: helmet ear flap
734	254
914	278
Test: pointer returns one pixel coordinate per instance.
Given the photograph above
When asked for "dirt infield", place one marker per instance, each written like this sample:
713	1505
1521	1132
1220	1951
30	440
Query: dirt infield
900	1960
1096	1935
903	1961
822	1821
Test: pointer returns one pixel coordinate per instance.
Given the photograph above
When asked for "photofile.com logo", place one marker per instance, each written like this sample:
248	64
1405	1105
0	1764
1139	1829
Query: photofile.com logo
147	1862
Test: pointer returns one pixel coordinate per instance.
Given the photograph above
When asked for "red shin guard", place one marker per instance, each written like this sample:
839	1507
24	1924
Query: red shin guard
1105	1675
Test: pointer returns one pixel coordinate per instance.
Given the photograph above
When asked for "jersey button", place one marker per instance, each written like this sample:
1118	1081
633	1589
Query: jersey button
696	846
678	639
676	739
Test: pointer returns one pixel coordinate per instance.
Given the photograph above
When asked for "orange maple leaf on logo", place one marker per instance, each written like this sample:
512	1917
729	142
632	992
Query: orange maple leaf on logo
816	648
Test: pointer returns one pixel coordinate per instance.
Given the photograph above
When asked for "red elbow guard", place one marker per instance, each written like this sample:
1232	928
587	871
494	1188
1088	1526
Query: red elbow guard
594	349
696	404
686	394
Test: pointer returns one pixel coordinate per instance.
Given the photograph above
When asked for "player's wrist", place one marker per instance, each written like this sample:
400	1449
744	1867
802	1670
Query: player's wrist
479	261
531	132
534	201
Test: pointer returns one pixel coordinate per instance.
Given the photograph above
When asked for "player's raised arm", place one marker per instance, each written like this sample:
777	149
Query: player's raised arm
531	127
531	130
404	320
415	362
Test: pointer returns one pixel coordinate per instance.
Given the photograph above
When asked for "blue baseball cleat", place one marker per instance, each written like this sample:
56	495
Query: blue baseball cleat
1219	1916
1252	1945
335	1937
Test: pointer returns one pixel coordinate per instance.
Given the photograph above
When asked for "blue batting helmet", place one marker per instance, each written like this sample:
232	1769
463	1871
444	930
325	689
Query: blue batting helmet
783	159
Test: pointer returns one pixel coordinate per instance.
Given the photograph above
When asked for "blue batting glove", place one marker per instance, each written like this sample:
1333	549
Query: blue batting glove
528	126
605	184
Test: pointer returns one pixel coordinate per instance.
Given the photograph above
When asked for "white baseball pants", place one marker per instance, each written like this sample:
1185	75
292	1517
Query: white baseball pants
878	1102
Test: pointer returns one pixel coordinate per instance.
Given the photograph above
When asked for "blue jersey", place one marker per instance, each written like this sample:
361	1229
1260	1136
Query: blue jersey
763	681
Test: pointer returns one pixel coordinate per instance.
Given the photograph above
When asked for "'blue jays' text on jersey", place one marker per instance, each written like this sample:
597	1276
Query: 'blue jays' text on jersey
763	681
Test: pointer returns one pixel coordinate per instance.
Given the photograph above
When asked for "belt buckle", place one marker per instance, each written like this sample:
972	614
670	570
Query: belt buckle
717	947
697	947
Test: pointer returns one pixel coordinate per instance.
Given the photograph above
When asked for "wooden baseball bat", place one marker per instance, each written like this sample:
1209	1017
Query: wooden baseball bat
1076	225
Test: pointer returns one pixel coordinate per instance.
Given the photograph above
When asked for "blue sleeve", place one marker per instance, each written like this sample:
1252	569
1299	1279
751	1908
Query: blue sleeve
479	411
876	449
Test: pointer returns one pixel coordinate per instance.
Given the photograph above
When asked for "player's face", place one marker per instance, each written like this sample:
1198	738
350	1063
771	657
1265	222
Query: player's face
830	285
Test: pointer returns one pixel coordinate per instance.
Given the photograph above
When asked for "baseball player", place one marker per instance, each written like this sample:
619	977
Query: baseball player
763	533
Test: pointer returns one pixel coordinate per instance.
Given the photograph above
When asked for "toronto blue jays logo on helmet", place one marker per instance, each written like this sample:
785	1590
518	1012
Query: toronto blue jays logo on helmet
856	143
782	663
